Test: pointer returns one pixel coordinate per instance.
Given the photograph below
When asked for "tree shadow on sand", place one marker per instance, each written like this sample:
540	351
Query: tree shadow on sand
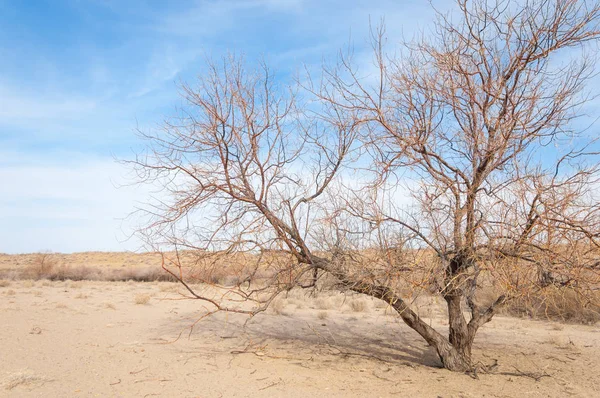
377	340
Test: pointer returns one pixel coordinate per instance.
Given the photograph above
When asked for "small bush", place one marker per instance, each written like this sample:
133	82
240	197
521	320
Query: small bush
4	283
28	283
75	285
142	299
168	287
278	307
41	267
323	304
322	315
146	274
358	305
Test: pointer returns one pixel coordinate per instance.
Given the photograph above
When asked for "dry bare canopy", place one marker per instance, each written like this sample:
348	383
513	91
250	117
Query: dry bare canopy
476	123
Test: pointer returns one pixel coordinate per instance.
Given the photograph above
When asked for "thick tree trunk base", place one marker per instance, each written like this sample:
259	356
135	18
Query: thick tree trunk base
453	360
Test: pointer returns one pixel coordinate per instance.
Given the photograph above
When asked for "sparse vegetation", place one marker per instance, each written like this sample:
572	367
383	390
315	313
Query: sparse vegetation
560	304
358	305
142	299
278	306
323	303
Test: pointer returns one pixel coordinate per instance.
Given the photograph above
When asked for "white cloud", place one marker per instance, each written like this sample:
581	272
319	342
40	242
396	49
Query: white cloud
16	105
69	205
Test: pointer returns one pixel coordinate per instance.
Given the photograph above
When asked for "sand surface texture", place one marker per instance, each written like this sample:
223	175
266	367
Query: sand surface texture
69	339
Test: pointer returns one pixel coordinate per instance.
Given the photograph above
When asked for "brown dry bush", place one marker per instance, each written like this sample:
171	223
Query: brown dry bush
41	266
146	274
559	304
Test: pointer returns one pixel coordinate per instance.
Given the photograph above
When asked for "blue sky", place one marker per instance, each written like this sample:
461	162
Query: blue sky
78	76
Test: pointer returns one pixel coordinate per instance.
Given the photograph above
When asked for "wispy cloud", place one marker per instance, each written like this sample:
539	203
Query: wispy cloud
79	77
48	204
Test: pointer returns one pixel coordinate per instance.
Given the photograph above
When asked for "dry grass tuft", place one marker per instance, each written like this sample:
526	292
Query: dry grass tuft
358	305
4	283
278	307
142	299
24	378
168	287
28	283
322	315
323	303
10	292
81	296
110	306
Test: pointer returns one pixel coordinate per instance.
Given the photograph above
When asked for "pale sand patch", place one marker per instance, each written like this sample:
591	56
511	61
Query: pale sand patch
87	348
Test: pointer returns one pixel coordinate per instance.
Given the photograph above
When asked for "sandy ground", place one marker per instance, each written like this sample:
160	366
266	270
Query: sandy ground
70	339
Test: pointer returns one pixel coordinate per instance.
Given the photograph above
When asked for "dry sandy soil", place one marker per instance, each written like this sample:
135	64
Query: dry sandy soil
70	339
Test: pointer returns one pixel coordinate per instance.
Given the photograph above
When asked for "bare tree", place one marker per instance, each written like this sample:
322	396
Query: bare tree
479	116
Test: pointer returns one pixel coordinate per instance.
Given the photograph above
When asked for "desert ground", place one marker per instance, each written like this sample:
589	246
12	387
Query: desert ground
135	339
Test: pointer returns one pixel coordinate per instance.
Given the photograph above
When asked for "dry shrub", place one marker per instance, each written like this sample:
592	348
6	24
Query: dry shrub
10	274
358	305
75	273
28	283
145	274
338	301
223	276
278	307
41	266
10	292
168	287
4	283
323	303
110	306
142	299
322	315
74	285
555	303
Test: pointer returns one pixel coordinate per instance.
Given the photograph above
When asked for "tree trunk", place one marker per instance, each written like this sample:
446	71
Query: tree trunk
454	353
454	360
460	335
